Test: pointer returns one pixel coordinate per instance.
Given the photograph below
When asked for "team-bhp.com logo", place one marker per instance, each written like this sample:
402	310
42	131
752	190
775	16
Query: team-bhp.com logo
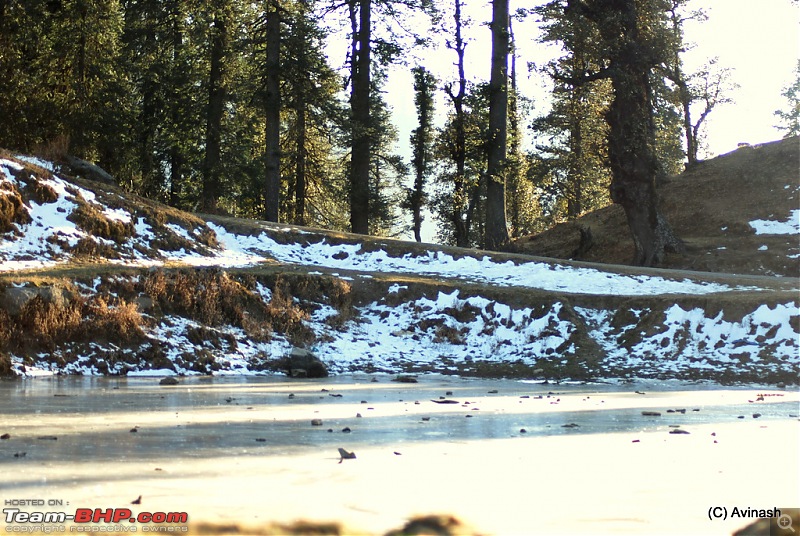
88	520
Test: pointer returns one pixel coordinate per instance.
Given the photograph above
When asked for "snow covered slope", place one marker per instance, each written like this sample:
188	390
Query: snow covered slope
160	291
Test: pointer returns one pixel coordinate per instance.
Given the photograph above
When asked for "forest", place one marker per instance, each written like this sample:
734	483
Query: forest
244	108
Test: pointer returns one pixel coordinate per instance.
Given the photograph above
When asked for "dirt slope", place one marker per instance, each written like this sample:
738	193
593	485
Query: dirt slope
710	207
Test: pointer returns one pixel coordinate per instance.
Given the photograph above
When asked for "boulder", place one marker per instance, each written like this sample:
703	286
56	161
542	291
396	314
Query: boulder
301	363
13	299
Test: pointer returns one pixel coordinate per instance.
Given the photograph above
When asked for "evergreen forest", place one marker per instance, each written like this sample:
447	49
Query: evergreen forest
277	109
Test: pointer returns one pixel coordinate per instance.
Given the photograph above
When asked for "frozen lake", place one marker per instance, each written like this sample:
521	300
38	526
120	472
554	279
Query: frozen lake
238	449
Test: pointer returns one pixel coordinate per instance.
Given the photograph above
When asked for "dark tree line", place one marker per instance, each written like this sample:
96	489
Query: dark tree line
236	107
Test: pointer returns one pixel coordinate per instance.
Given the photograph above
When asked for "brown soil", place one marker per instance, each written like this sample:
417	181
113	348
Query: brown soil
709	206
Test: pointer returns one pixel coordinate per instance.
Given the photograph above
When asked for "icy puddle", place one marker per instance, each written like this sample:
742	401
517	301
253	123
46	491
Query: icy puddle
506	457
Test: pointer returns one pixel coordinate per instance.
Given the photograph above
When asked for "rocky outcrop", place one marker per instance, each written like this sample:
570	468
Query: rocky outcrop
301	363
14	299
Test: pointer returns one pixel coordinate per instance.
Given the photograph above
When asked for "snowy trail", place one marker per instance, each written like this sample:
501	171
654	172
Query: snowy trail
535	275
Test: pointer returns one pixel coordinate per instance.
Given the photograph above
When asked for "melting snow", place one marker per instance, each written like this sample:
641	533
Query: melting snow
539	275
771	227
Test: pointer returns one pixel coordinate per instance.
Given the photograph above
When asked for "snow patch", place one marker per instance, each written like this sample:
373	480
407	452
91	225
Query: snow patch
771	227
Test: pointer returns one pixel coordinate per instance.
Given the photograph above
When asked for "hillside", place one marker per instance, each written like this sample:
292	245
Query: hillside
96	281
738	213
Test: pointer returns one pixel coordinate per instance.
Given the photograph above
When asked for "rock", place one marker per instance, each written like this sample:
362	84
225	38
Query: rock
756	415
523	431
444	525
346	455
316	422
346	430
780	385
405	379
5	436
169	380
14	299
301	363
88	170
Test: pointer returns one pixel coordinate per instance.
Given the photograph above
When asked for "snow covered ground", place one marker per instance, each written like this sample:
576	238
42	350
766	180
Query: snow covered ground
47	240
402	331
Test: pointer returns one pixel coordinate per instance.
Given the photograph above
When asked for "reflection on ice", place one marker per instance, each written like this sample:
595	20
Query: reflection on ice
245	449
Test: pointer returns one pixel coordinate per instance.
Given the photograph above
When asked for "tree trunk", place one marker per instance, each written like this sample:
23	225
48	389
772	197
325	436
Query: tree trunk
459	152
272	115
216	103
496	226
300	167
359	103
634	165
423	87
686	101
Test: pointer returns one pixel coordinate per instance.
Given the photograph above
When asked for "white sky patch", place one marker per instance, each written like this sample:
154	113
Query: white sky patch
771	227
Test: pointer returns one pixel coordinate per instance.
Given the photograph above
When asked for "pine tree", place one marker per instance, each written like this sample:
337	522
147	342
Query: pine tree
790	117
314	126
421	143
460	194
569	165
632	37
521	200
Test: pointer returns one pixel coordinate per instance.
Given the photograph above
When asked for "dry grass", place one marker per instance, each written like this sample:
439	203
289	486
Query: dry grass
55	149
44	325
214	297
12	208
709	207
88	218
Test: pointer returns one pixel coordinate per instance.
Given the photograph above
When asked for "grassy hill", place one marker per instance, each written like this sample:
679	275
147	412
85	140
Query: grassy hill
97	281
716	208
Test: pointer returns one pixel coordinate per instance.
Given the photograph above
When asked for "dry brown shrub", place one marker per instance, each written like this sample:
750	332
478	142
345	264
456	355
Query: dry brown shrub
40	192
55	149
87	247
45	324
120	323
285	316
12	207
209	296
5	364
88	218
6	328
